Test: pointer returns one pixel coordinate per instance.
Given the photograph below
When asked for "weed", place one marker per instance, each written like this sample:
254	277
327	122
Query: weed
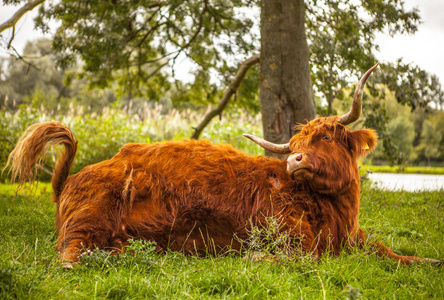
267	241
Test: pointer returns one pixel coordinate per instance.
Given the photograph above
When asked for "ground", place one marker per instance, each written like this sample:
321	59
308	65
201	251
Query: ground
410	223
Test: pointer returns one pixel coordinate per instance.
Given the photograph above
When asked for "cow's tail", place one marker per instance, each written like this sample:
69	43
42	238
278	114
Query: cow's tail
30	151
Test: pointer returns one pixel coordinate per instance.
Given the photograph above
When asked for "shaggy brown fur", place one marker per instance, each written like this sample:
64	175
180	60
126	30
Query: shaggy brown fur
195	196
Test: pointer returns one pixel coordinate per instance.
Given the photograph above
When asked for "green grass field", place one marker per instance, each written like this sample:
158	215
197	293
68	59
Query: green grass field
410	223
405	170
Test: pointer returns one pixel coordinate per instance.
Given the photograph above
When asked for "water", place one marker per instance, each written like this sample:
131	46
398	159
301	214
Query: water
407	182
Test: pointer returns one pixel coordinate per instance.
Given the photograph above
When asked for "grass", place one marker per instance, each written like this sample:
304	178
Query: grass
406	170
410	223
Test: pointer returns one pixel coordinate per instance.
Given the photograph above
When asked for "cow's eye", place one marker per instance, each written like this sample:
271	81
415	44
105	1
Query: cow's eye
327	137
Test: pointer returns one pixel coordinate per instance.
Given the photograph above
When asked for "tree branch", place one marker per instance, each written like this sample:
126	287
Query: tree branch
12	21
232	88
18	56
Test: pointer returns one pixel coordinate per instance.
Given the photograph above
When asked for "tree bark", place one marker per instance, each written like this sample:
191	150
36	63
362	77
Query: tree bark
286	95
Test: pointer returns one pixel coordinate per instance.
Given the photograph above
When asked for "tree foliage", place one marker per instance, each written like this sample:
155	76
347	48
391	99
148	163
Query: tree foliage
412	86
431	146
341	38
132	42
139	43
37	81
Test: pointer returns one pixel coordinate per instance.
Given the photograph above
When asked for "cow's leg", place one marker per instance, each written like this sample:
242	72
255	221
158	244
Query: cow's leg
385	251
84	233
70	248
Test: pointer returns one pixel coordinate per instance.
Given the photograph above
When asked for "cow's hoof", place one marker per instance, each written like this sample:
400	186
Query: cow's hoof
67	265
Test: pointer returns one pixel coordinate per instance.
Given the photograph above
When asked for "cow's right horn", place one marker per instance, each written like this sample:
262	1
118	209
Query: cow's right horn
355	111
275	148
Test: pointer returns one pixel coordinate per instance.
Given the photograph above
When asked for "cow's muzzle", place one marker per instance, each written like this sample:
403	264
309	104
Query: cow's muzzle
294	163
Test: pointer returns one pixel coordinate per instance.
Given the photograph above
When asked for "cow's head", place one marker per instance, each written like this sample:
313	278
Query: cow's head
324	151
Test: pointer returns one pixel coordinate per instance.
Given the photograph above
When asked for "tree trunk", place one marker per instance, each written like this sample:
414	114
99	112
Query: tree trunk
285	86
330	103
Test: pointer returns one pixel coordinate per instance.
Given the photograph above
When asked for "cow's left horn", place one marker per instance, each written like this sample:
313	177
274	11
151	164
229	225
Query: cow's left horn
275	148
355	111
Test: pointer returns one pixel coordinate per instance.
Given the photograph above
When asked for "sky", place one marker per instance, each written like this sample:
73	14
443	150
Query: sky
425	48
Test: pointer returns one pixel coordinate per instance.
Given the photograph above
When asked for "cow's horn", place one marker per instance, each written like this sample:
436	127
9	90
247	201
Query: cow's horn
355	111
275	148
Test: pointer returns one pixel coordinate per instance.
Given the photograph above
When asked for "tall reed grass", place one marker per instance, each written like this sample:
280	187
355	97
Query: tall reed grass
101	135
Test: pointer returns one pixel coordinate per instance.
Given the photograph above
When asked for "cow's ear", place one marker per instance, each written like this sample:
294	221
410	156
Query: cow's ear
362	141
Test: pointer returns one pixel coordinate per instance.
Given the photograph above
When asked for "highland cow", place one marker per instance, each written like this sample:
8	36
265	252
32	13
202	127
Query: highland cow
199	198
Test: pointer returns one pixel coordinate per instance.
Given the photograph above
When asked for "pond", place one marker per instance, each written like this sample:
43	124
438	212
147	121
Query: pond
407	182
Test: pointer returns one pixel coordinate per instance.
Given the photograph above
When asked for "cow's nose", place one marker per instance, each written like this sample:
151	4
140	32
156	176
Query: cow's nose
293	162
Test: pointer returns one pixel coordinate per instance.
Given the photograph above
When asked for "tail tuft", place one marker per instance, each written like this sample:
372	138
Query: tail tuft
30	152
